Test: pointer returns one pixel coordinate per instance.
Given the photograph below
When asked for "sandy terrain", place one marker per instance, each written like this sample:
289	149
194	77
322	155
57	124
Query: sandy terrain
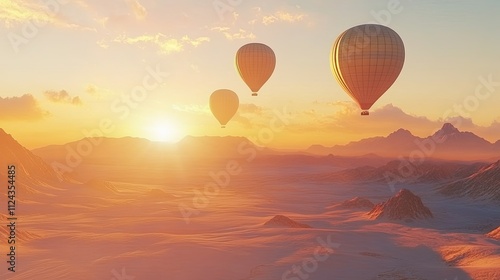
126	222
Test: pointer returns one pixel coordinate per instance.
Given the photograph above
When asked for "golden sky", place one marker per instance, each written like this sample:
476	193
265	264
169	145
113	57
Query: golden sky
146	68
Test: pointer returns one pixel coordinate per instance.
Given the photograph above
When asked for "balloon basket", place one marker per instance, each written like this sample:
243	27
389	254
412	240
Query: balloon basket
365	113
254	94
222	126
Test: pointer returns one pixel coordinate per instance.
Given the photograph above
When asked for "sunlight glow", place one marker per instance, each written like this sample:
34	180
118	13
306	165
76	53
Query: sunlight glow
164	131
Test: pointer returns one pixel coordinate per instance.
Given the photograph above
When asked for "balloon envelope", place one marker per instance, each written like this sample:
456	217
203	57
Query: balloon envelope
255	63
366	60
224	103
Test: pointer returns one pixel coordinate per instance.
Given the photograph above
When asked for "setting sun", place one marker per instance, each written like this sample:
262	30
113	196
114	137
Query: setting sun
163	131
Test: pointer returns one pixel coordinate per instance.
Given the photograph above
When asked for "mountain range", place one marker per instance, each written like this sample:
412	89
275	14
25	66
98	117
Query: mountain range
403	171
482	185
131	150
447	143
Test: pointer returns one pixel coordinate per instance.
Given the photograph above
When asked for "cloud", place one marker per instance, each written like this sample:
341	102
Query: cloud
92	90
139	10
166	45
62	97
250	108
38	13
344	117
14	12
281	16
25	107
491	132
96	91
233	35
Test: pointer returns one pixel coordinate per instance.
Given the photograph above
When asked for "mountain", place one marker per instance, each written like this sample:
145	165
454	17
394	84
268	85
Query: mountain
400	140
403	206
32	172
483	184
495	234
283	221
133	151
403	171
450	140
446	143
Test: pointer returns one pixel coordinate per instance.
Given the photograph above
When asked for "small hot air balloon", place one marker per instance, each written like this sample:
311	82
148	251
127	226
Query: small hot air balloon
224	103
255	63
366	60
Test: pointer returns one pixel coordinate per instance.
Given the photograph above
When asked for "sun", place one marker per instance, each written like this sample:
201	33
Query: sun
164	131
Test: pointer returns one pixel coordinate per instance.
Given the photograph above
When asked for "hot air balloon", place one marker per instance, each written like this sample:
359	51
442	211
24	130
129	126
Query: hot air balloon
366	60
255	63
224	103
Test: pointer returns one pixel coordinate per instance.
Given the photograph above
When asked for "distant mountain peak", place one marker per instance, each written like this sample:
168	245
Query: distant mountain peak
448	128
400	133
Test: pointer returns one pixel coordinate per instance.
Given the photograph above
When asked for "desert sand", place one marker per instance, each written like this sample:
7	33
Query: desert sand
173	220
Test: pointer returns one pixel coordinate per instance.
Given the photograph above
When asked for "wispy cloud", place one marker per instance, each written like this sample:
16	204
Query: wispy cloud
14	12
96	91
25	107
282	16
165	44
62	97
250	108
39	13
233	34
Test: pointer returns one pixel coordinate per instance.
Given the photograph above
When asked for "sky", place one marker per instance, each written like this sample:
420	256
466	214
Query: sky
146	68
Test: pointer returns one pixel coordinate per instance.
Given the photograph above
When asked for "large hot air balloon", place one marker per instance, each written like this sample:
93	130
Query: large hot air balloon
255	63
224	103
366	60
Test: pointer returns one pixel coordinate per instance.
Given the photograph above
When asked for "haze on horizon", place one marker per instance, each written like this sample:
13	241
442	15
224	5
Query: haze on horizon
72	71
